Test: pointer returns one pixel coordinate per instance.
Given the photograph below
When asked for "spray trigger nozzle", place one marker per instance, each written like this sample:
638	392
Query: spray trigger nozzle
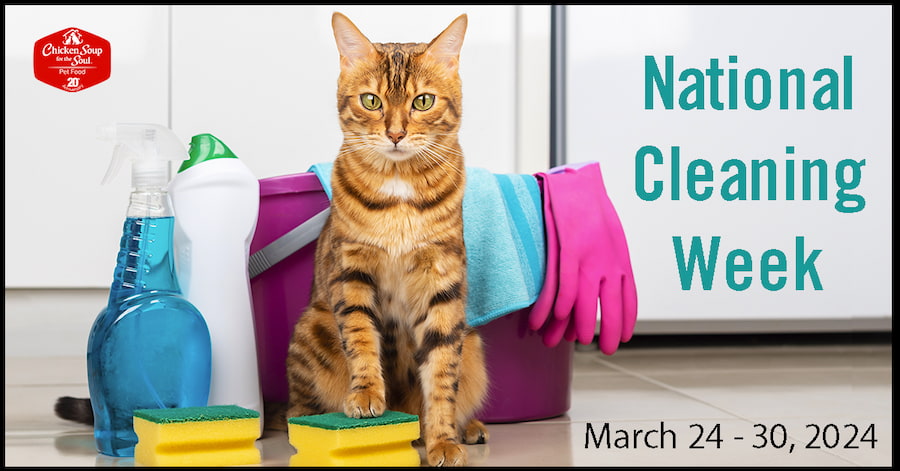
149	148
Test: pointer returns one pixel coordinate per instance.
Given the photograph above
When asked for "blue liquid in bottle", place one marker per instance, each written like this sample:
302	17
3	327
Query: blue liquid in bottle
150	347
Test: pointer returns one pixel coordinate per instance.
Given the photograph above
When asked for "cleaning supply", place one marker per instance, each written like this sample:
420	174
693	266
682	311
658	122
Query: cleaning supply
150	347
504	233
280	292
515	356
216	201
197	436
337	440
592	263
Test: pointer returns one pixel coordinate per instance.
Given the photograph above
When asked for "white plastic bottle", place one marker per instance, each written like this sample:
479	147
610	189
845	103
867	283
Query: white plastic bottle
216	200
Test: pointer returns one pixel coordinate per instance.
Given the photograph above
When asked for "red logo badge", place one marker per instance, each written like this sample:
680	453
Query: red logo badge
72	59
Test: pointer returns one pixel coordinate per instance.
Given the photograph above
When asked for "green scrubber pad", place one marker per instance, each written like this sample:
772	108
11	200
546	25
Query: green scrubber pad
195	414
339	421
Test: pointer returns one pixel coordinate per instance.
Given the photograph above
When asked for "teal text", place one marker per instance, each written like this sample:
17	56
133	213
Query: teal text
731	88
773	269
658	174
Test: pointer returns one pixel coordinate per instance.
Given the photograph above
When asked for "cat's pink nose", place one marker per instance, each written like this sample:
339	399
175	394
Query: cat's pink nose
396	136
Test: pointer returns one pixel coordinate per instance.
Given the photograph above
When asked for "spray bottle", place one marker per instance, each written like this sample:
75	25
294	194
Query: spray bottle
216	201
150	347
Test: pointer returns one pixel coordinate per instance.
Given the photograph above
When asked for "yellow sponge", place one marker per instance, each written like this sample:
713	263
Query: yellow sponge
337	440
196	436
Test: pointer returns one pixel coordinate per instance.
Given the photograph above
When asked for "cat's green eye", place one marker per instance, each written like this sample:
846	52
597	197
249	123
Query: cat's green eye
423	102
370	102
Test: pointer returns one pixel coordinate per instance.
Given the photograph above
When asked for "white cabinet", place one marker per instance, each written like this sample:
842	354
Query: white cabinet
260	78
62	228
739	191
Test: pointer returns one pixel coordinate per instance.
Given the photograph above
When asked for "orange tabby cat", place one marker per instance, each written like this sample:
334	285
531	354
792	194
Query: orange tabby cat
386	325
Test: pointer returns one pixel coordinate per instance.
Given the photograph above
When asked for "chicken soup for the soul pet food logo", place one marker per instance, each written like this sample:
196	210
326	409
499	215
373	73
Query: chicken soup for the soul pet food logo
72	59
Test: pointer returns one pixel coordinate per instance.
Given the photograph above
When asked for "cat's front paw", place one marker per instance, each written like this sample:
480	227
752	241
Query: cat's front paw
447	454
365	403
475	433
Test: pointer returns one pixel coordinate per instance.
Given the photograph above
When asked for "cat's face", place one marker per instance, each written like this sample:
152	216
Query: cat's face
399	101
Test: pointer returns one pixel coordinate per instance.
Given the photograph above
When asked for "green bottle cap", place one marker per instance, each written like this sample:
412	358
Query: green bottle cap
206	147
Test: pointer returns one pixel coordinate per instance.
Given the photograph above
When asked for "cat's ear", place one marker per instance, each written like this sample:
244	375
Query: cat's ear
352	44
446	46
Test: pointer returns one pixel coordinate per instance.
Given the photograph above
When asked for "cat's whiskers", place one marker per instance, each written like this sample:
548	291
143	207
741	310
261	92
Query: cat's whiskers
446	149
442	161
357	143
444	153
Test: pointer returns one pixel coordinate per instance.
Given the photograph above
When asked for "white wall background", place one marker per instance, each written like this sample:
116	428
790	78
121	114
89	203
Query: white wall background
262	79
607	121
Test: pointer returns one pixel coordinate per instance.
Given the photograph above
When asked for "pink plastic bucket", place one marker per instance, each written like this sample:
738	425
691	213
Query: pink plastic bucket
528	380
281	293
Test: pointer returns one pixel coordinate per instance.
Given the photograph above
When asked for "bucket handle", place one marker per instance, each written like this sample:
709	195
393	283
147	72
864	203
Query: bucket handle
284	246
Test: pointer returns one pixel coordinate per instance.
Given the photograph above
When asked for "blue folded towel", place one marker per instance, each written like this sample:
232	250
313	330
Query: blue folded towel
503	227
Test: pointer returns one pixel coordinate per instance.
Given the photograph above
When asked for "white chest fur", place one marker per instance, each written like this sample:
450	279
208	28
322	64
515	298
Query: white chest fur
398	187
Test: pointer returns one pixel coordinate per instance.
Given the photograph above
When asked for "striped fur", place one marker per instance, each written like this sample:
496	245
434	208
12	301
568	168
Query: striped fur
386	326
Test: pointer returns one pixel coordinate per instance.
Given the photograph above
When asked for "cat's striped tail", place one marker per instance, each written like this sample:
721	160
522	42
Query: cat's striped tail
76	409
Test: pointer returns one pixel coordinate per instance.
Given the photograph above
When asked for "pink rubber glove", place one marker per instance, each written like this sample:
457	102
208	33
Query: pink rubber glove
593	262
540	311
555	330
551	329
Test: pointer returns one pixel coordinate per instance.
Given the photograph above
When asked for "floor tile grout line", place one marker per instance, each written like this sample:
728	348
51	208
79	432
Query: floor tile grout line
41	433
45	385
663	385
702	401
823	369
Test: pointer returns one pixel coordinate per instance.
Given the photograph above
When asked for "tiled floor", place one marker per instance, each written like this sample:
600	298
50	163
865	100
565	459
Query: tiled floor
770	405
